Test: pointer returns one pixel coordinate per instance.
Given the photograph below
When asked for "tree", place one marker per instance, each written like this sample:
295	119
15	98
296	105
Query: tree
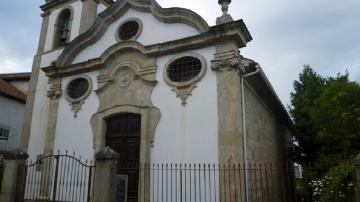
336	118
306	91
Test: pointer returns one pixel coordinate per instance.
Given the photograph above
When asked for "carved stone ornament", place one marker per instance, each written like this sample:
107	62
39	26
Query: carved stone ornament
54	91
124	77
184	89
225	18
227	61
77	103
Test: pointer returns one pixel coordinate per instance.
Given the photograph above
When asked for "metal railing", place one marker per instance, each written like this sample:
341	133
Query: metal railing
205	183
56	178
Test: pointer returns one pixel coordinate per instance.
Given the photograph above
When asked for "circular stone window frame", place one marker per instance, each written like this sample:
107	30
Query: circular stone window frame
76	103
136	36
192	81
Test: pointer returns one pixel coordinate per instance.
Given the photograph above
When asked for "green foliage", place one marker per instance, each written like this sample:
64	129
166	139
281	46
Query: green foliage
306	90
336	118
326	114
335	185
306	112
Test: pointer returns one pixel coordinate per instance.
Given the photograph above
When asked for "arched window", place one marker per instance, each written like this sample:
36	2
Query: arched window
62	28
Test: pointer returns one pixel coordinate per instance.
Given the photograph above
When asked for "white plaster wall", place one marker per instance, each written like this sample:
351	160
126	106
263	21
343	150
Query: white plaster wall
11	118
100	8
50	57
153	32
39	117
75	133
75	26
187	134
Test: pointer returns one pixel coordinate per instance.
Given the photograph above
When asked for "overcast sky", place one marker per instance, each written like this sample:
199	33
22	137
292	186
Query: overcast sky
287	34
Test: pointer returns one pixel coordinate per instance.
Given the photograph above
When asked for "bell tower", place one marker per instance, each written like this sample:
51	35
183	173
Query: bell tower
66	20
62	22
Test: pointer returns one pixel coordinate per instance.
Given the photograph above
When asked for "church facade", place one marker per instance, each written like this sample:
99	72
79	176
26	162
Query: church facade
154	85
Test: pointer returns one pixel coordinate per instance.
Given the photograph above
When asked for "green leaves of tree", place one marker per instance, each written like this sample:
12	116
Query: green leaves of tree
326	113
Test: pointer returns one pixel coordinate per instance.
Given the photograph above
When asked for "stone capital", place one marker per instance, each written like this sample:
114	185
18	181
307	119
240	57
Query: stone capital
227	61
107	154
14	154
54	90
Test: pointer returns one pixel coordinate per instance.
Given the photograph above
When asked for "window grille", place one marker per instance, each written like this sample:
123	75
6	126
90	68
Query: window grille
128	30
77	88
184	69
4	134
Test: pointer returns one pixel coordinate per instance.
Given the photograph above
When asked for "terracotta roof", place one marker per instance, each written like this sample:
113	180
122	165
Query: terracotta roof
9	91
23	76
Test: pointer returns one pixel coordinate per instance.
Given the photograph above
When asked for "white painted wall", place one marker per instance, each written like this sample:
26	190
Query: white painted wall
75	133
75	26
100	8
41	108
39	118
187	134
11	118
153	32
50	57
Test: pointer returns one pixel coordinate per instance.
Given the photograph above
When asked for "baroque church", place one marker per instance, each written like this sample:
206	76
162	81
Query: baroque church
146	85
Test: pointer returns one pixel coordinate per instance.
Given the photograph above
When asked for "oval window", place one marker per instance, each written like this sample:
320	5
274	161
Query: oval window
77	88
129	30
184	69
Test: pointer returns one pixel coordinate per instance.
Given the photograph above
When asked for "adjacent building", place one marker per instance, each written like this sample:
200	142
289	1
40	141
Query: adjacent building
13	91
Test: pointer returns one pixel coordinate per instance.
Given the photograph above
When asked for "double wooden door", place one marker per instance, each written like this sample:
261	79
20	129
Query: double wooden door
123	136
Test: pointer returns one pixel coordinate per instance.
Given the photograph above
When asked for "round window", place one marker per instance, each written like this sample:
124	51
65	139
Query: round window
77	88
129	30
184	69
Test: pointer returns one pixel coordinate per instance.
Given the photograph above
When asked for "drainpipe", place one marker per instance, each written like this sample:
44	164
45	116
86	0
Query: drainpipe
244	129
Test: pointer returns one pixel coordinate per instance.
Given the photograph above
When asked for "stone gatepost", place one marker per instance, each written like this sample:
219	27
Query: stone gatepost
105	175
10	182
357	178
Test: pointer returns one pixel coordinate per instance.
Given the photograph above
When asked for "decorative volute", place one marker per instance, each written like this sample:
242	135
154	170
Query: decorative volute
225	16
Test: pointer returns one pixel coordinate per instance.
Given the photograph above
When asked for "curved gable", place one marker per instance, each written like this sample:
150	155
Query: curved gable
180	23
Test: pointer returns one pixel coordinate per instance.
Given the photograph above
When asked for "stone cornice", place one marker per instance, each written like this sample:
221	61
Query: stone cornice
103	21
54	3
215	35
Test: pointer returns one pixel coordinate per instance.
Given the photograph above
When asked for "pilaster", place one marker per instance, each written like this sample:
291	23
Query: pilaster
88	15
227	64
14	161
53	94
25	133
105	175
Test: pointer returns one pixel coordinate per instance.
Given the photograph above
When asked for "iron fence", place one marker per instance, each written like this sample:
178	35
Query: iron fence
205	183
56	178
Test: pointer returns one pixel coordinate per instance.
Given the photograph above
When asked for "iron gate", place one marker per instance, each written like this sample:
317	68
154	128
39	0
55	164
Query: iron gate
56	178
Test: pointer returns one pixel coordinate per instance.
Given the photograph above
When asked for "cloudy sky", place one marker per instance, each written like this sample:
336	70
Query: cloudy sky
287	34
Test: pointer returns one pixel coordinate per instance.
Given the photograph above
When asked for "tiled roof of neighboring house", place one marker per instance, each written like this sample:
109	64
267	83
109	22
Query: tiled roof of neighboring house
9	91
16	76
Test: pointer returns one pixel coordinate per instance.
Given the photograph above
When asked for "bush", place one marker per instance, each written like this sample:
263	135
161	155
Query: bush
335	185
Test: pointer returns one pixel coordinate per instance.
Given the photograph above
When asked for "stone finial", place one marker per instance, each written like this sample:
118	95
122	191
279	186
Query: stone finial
225	16
224	6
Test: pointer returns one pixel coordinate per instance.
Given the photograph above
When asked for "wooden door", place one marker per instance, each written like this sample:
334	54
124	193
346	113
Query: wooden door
123	136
